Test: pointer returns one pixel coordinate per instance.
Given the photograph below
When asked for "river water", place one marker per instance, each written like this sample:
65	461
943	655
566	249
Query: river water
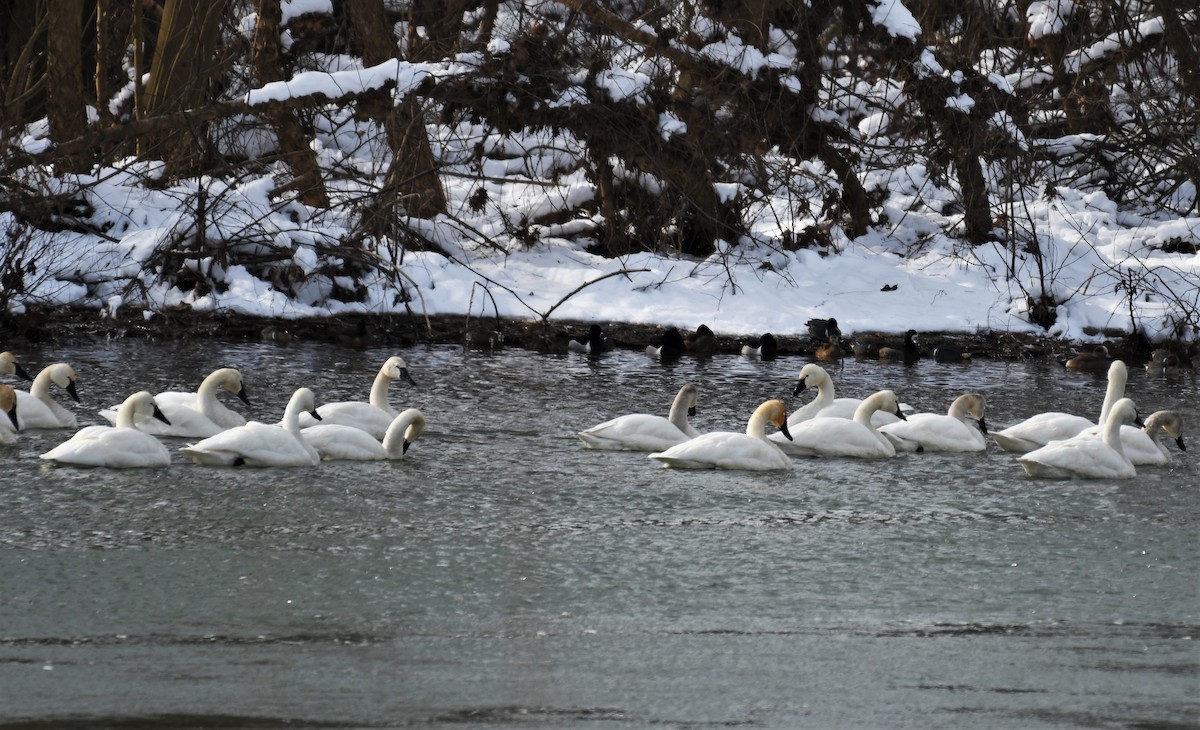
502	576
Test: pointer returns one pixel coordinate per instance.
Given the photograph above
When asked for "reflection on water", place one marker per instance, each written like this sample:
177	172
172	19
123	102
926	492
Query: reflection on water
503	576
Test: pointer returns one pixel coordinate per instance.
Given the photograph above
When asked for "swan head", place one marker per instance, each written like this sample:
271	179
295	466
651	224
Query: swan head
884	400
689	395
415	428
10	366
1169	421
774	412
8	403
811	374
1125	411
142	403
231	379
63	375
396	369
304	400
973	405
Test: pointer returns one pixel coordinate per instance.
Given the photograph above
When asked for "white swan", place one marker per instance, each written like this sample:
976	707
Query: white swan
644	431
1086	457
373	416
8	404
730	450
812	375
10	366
337	442
1141	446
1037	431
855	437
846	408
195	415
37	409
942	432
121	446
262	444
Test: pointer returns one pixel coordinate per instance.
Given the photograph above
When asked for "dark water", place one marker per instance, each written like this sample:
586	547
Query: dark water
504	577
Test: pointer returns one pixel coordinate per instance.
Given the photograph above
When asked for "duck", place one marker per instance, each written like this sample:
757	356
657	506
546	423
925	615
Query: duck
855	437
951	354
936	432
672	346
1095	360
10	366
335	442
595	342
645	431
1162	362
812	375
908	353
749	451
764	348
866	346
38	409
262	444
830	351
373	415
122	446
198	414
824	330
8	404
1086	457
702	342
1141	446
1039	430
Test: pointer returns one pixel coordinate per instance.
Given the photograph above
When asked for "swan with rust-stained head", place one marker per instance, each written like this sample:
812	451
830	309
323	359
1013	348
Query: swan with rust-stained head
1141	446
262	444
10	366
646	431
8	423
122	446
749	451
198	414
1039	430
335	442
1084	456
855	437
373	415
38	409
961	428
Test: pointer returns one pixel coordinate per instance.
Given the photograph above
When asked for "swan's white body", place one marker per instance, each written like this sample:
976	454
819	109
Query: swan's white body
8	422
1086	457
336	442
644	431
812	375
122	446
848	407
36	409
195	415
857	437
261	444
950	431
374	415
730	450
1037	431
1141	446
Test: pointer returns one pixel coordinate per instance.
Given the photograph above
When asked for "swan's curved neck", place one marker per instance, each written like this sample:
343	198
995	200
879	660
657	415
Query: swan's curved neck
379	391
958	409
41	383
1114	393
679	412
1112	435
824	393
398	432
127	415
291	418
865	410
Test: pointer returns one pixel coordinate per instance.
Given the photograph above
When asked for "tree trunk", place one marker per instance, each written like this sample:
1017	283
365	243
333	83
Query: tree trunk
66	101
22	26
293	142
179	74
412	175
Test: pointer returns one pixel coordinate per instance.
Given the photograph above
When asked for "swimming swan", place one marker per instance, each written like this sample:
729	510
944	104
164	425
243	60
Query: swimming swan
195	415
122	446
262	444
812	375
337	442
942	432
730	450
845	437
1086	457
1037	431
10	366
373	416
8	404
38	409
1141	446
644	431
